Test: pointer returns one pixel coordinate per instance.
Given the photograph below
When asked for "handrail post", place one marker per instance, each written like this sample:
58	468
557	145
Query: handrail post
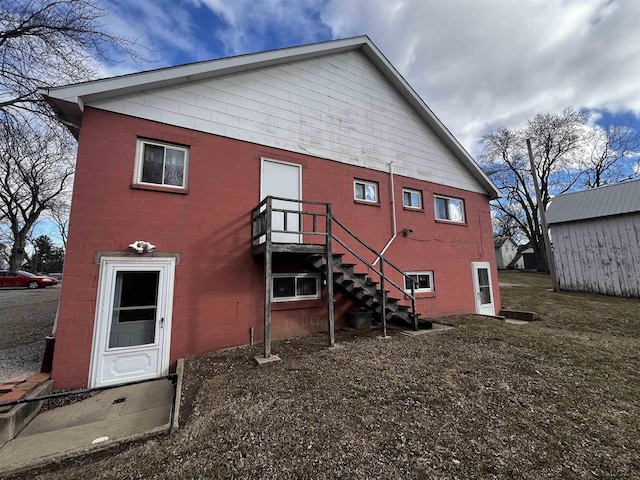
384	298
268	280
329	278
413	303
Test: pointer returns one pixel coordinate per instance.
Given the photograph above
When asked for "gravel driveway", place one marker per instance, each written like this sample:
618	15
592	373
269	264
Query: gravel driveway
26	317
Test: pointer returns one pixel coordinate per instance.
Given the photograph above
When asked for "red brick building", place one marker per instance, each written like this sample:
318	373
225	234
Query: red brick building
173	162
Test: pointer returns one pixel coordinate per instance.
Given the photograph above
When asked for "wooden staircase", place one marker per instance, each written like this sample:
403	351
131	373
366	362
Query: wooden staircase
360	288
314	231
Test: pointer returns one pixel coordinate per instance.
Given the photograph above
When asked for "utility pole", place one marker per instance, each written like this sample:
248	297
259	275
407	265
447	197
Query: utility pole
543	220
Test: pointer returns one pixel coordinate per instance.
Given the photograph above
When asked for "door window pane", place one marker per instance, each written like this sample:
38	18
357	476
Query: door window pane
135	305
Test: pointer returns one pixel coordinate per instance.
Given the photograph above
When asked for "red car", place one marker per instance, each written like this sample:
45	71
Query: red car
19	278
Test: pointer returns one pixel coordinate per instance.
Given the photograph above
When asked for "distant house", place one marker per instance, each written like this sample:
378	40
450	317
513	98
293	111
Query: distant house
222	198
506	252
596	239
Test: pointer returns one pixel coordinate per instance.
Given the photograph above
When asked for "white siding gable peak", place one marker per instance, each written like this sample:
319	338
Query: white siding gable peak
463	172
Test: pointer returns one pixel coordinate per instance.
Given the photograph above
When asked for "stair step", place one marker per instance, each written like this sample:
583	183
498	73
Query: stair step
347	267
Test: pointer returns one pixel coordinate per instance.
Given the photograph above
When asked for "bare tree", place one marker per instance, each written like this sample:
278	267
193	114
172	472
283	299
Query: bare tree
557	141
35	168
59	214
610	151
50	43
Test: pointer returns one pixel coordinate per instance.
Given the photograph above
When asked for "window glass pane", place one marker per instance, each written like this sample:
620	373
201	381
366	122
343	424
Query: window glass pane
441	208
407	281
284	287
152	164
412	199
307	286
485	295
134	309
174	167
371	193
359	191
455	210
424	281
136	315
138	288
483	277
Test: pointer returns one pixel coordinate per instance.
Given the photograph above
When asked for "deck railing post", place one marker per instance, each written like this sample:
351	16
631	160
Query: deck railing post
329	277
268	280
383	298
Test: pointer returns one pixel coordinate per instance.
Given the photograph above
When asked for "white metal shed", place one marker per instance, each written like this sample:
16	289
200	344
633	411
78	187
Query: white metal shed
596	239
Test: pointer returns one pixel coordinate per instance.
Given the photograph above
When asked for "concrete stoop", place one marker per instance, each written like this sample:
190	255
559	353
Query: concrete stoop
519	315
14	418
109	418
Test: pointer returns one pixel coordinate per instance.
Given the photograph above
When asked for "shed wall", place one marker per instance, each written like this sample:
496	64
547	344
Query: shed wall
599	255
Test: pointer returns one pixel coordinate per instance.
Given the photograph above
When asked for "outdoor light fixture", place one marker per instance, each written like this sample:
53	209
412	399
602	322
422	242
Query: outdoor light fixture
140	245
407	231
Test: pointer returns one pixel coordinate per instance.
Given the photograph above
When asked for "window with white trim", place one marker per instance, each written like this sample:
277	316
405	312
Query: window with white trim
423	281
411	198
449	209
300	286
365	191
161	164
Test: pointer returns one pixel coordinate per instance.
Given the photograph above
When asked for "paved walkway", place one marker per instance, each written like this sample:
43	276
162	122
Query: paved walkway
109	417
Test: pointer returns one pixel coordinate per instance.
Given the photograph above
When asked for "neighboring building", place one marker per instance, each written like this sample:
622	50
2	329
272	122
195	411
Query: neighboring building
506	251
180	158
596	239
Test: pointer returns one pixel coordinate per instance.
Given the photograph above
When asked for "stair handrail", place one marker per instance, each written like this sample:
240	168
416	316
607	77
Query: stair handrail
411	295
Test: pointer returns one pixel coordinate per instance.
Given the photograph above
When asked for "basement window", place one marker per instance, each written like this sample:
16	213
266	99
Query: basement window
300	286
161	164
423	281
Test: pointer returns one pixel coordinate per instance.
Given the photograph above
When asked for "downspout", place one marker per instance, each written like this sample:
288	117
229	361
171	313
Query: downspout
393	214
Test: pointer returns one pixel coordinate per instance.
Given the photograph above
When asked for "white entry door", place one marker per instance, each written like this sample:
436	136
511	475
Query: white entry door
482	288
282	179
132	333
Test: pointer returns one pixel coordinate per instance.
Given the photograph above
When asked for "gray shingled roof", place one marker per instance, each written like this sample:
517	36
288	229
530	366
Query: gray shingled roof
614	199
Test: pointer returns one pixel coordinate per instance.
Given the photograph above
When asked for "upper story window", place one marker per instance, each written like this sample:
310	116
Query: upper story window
365	191
411	198
449	209
423	281
161	164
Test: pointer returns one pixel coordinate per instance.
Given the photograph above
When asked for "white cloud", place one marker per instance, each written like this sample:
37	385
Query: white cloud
481	64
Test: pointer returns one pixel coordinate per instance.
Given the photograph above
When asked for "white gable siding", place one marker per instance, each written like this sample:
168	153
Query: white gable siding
338	107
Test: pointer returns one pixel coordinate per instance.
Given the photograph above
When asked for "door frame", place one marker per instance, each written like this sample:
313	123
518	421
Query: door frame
476	288
291	164
109	266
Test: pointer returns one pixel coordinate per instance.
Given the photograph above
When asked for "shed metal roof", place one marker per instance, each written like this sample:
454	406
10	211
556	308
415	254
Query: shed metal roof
616	199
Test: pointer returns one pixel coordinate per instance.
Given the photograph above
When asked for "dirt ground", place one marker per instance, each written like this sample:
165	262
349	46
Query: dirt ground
557	398
26	315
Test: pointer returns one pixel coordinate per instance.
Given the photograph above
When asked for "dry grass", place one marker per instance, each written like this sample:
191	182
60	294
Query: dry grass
557	398
26	316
